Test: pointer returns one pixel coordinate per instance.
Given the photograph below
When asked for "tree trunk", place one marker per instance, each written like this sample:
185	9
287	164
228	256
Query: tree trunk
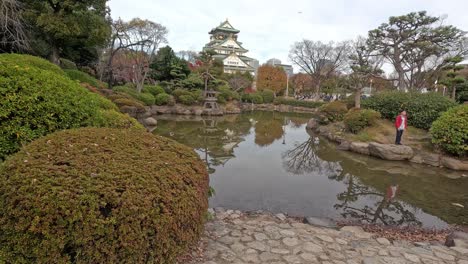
54	55
357	98
454	92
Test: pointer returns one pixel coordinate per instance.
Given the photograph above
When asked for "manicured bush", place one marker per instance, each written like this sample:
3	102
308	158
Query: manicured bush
187	99
358	119
179	92
146	98
83	77
67	64
198	95
450	131
153	89
422	109
129	102
116	119
119	95
35	102
334	111
26	61
268	96
126	89
227	94
255	98
300	103
95	195
162	99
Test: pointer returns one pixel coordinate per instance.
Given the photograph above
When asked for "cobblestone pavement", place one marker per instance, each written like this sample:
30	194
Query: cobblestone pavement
232	237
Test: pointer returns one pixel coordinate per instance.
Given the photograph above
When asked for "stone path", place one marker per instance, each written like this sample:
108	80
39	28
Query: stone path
233	237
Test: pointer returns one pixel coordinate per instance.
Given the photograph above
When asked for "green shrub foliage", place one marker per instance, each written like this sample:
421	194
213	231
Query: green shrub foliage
27	61
268	96
358	119
97	195
83	77
300	103
146	98
35	102
450	131
187	99
255	98
67	64
334	111
153	89
422	109
227	94
162	99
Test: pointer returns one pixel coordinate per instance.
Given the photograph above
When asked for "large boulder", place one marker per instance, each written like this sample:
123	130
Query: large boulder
312	123
359	147
390	151
150	121
454	164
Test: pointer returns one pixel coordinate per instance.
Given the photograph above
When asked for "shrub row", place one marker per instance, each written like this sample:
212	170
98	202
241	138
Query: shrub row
300	103
95	195
422	109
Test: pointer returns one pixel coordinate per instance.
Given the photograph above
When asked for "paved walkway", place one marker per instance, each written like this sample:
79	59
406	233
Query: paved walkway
232	237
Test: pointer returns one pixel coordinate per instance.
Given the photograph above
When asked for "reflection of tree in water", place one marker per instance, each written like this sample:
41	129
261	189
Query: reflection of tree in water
385	210
298	121
267	131
303	158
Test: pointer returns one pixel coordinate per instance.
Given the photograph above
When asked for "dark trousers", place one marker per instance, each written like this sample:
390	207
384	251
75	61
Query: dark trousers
399	134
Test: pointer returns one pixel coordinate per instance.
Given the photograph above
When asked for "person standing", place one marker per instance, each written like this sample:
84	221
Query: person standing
401	123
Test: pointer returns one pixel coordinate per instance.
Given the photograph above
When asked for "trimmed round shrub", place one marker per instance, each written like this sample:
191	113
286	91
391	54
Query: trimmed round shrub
35	102
162	99
268	96
126	89
179	92
83	77
198	95
186	99
67	64
255	98
97	195
146	98
116	119
153	89
358	119
334	111
422	109
227	94
25	61
450	131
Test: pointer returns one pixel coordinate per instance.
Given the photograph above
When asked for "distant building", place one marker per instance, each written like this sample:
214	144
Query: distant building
223	41
287	68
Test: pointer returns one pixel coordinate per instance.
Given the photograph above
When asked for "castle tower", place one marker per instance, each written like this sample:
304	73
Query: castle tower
223	40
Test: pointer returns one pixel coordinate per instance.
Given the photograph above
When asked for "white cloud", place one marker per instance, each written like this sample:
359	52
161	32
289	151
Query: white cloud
269	27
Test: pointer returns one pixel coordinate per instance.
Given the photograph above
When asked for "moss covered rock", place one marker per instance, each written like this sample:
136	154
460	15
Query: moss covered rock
100	195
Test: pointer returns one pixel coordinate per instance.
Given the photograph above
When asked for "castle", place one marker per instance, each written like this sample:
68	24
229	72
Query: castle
223	41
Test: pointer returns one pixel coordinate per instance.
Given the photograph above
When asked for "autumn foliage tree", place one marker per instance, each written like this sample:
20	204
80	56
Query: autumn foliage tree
301	83
271	78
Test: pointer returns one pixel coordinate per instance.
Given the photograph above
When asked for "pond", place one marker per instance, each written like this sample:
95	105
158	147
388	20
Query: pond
270	161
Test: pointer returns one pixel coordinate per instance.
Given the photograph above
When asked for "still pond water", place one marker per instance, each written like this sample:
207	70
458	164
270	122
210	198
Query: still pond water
269	161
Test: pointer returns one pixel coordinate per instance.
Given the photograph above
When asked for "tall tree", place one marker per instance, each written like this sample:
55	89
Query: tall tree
415	44
272	78
188	55
302	83
165	63
149	35
319	60
452	79
13	34
364	65
56	25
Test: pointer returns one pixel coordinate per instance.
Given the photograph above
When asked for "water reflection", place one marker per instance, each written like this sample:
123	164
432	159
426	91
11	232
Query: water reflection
267	161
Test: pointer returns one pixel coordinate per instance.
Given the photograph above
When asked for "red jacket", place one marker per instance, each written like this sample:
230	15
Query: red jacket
398	122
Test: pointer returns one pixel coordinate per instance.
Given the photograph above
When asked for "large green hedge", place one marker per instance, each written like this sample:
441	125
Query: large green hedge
35	102
97	195
83	77
334	111
450	131
422	109
27	61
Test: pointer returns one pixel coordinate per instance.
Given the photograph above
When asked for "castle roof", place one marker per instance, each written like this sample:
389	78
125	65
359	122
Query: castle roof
226	27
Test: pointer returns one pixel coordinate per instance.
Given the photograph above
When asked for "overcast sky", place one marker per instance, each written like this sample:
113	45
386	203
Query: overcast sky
268	28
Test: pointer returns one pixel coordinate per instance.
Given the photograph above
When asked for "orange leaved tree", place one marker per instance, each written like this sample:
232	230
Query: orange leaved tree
271	78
